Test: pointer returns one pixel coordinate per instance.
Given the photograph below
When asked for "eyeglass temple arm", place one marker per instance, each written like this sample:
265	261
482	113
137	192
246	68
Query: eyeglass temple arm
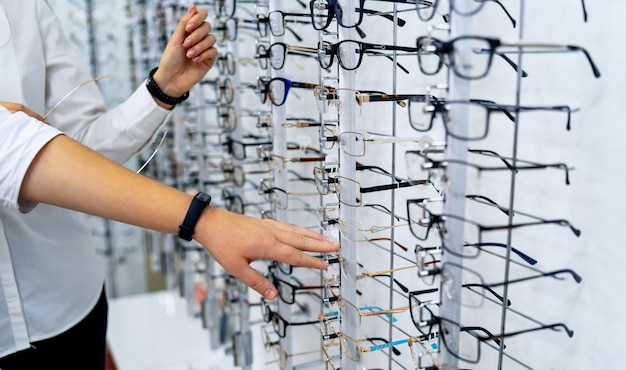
594	68
401	22
493	292
513	21
511	63
398	185
522	255
569	332
388	57
553	274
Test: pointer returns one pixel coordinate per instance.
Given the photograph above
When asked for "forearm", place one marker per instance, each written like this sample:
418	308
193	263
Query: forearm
69	175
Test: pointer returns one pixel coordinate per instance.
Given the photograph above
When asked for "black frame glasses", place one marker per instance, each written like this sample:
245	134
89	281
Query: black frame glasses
433	53
422	115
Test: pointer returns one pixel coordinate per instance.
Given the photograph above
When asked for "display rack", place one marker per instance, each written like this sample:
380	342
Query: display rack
202	144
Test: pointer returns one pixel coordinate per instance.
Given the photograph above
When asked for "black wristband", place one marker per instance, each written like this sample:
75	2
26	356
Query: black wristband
198	204
156	91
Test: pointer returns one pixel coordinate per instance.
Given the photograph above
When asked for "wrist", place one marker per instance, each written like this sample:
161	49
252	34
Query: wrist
165	94
199	203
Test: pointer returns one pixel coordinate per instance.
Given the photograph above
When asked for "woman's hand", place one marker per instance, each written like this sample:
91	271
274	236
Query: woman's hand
17	107
189	54
236	240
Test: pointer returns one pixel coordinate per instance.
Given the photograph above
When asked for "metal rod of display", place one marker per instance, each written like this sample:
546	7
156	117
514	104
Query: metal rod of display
279	147
347	169
507	265
459	89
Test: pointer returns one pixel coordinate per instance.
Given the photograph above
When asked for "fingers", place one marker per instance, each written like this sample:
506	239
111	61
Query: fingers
17	107
304	239
204	50
256	281
288	254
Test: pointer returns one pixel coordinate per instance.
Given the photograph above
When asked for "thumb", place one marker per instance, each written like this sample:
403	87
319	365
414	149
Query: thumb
257	282
180	33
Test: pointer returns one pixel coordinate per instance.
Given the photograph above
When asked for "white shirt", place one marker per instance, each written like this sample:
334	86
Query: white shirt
50	275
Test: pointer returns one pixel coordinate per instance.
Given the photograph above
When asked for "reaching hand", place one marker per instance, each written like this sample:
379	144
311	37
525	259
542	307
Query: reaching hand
17	107
189	54
235	241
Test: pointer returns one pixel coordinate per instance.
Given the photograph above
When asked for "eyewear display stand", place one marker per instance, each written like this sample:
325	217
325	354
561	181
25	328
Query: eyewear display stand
360	327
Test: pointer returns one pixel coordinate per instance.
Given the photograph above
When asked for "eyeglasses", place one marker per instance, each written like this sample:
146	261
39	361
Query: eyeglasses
275	21
464	8
430	163
466	346
422	116
471	278
339	265
287	291
278	196
266	156
224	90
276	54
235	203
277	88
354	143
239	149
337	184
346	49
237	174
433	53
423	357
323	12
280	355
420	226
227	63
351	347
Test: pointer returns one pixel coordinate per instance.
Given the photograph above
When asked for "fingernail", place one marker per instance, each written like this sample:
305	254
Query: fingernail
269	294
189	27
188	42
191	8
191	53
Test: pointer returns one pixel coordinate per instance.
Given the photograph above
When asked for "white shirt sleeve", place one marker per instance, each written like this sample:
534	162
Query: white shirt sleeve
21	138
117	133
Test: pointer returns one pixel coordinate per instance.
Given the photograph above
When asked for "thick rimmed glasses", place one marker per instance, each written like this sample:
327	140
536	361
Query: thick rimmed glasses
323	12
275	21
422	116
478	51
276	89
346	49
239	149
287	291
277	52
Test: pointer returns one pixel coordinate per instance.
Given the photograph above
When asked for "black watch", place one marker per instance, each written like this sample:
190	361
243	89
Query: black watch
198	204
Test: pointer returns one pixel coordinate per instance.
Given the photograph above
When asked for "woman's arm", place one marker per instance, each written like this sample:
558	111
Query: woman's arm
67	174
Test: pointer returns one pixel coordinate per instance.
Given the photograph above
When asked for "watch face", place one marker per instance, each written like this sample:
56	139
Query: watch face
204	197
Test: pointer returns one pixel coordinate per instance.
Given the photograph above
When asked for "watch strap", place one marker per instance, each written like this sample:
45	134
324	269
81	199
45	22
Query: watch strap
198	204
